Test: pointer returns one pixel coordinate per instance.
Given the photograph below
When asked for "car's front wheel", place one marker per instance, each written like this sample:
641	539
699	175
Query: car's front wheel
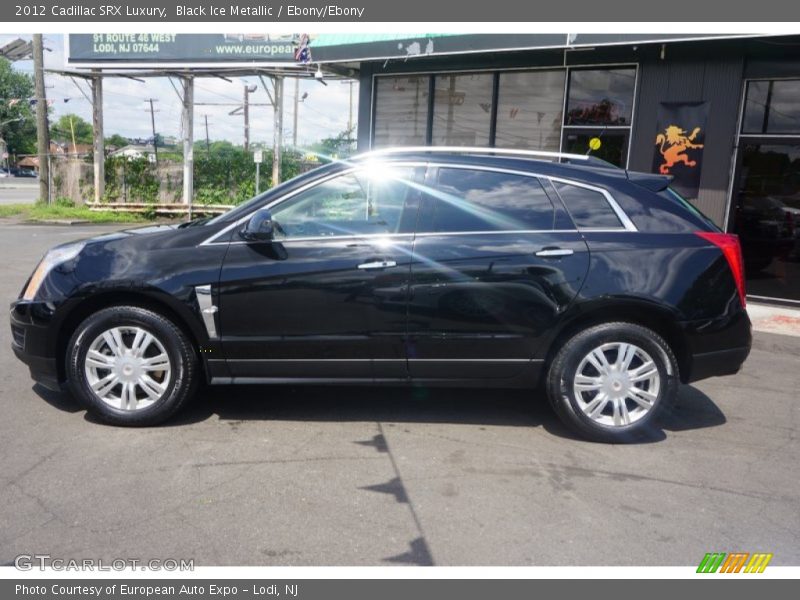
131	366
609	382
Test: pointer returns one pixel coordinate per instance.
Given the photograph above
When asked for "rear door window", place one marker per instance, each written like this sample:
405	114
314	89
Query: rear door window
589	209
470	200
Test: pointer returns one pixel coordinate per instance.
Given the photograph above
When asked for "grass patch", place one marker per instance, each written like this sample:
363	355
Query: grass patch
57	212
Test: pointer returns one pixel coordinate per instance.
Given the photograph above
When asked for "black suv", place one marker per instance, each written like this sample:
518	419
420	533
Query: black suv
420	266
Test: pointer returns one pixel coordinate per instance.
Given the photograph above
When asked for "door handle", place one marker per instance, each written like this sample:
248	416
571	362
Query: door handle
554	252
377	264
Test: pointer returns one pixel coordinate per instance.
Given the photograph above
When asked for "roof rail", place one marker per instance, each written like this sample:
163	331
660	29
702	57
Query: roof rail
481	150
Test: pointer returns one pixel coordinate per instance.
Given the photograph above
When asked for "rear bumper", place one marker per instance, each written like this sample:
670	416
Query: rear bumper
716	347
717	363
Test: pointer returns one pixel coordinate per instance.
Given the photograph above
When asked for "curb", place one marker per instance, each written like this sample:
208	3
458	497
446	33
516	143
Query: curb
59	222
774	319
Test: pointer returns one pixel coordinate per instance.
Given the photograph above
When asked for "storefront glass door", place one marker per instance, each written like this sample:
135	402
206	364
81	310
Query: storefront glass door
766	216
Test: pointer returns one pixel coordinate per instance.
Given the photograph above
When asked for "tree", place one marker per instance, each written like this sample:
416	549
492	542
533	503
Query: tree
62	130
116	140
341	145
20	133
217	148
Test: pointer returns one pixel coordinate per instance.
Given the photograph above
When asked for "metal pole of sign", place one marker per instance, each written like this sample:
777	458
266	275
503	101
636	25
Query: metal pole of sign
258	157
49	180
187	123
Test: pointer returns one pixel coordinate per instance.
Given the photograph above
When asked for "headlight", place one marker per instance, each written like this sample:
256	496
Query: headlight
53	258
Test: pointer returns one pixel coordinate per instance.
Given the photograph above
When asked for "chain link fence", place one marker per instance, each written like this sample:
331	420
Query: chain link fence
219	180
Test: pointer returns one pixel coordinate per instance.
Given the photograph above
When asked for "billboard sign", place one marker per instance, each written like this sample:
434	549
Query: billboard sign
185	49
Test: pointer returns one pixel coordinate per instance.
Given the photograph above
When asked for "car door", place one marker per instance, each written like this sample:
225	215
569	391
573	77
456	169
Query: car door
496	261
327	297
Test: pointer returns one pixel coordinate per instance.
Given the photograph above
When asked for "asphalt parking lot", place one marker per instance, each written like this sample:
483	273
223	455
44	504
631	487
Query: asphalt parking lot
359	476
14	190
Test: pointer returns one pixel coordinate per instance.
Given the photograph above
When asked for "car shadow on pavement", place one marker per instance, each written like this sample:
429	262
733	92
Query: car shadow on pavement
61	400
692	410
483	407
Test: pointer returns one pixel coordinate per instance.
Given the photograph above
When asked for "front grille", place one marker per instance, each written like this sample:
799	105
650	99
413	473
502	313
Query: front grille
18	335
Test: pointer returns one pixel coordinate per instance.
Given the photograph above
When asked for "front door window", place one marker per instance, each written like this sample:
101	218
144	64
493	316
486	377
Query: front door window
367	201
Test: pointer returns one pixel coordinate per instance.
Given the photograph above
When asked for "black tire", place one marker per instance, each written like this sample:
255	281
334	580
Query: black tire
184	374
564	366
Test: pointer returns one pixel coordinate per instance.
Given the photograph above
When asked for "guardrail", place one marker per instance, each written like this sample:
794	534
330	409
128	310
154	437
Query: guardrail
176	208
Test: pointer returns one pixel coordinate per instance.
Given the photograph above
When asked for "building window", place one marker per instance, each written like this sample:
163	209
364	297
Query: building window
772	107
401	111
613	144
600	97
462	110
599	109
530	110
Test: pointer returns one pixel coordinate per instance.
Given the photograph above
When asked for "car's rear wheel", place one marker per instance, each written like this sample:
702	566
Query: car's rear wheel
131	366
609	382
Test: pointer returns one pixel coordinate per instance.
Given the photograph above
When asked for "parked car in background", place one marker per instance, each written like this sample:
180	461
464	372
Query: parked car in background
767	228
21	172
416	266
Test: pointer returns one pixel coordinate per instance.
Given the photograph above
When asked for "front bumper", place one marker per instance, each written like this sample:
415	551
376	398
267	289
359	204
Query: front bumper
33	341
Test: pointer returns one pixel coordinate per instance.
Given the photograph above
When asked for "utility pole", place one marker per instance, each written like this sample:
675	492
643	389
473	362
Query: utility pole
248	89
296	107
277	82
72	130
99	144
208	144
153	123
42	128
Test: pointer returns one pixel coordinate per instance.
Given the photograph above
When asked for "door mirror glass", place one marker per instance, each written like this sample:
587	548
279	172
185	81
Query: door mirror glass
259	228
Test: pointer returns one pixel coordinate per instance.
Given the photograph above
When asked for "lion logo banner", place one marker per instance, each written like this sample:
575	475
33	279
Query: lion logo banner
679	144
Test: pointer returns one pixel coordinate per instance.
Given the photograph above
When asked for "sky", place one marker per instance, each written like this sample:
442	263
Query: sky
324	112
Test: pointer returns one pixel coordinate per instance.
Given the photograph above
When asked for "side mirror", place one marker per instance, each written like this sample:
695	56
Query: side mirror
259	228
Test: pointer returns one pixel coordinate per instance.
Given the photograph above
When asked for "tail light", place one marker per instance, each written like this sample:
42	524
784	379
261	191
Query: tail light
732	250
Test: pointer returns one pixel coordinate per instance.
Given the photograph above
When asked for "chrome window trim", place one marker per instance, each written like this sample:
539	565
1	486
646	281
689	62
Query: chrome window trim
314	360
627	224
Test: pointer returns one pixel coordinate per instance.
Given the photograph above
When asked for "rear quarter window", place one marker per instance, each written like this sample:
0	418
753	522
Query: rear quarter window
589	209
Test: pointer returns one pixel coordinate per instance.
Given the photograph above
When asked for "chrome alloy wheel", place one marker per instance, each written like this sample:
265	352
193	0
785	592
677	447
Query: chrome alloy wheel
127	368
616	384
